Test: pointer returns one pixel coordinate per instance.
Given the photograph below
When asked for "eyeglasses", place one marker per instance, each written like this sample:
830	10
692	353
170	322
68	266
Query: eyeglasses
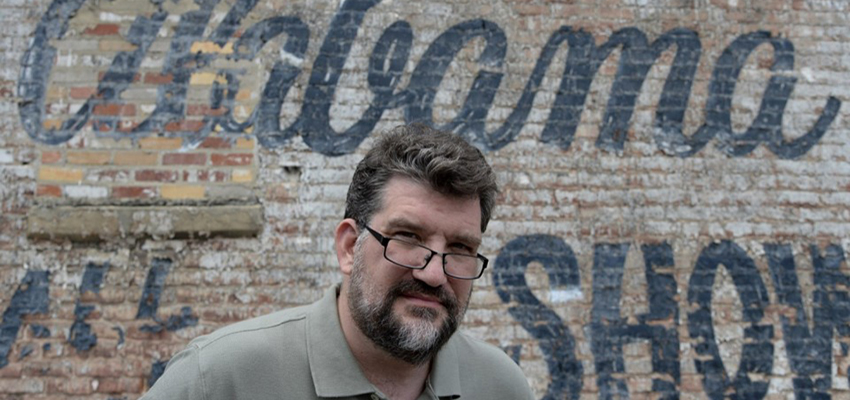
414	256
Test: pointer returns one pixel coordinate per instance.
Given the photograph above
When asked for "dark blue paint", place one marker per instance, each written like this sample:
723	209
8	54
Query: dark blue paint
157	368
180	63
35	73
119	76
266	113
314	122
183	320
757	350
93	277
154	283
26	351
637	57
232	21
767	126
120	334
386	67
31	297
39	331
810	350
430	71
610	331
556	342
174	322
513	352
149	302
38	61
387	62
81	337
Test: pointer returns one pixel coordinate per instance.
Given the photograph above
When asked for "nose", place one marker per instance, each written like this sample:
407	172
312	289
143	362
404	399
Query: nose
432	274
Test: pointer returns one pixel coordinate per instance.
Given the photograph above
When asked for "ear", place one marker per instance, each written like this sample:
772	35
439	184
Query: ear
345	237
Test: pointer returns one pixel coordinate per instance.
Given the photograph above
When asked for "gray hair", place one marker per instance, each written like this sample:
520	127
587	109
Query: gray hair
442	160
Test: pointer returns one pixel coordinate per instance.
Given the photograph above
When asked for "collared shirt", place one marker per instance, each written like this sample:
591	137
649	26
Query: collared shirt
301	353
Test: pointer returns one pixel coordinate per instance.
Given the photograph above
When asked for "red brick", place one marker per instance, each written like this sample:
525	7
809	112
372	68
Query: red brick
216	143
212	176
102	127
532	9
151	175
133	192
12	370
50	157
48	191
82	92
103	29
120	385
184	159
105	367
184	126
202	109
55	368
232	159
77	386
114	109
158	79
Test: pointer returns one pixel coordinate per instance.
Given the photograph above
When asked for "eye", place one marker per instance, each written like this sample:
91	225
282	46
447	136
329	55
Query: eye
409	236
462	248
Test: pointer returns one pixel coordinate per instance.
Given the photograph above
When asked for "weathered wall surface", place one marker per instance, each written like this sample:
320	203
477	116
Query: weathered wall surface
673	221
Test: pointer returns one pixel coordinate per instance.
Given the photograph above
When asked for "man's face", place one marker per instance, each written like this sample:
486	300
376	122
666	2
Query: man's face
412	313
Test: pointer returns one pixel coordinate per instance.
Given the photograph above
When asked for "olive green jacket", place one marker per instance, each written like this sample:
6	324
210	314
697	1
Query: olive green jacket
301	353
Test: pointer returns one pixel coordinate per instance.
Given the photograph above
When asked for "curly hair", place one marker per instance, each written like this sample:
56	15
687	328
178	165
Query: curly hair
442	160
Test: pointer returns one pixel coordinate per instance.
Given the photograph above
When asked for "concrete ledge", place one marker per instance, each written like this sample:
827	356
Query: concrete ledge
90	223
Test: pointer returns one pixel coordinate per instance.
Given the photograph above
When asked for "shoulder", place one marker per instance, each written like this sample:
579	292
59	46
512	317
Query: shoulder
286	322
244	358
269	341
472	350
490	369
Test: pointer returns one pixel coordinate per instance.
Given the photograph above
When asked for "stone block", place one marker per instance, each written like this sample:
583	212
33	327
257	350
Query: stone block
103	223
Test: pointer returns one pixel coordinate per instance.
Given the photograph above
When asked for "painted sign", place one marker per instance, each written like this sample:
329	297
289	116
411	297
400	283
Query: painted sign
386	64
808	344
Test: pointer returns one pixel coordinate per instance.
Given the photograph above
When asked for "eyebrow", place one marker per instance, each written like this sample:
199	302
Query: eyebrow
403	223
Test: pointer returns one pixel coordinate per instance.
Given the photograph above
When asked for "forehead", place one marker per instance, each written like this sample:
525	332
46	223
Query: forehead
404	199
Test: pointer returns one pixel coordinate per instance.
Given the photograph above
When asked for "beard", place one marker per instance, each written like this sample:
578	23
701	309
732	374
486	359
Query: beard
415	342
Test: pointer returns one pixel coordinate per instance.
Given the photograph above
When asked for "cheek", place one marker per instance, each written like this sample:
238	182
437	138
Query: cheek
380	276
462	289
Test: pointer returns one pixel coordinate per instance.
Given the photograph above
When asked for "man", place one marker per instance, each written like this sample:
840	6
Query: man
415	212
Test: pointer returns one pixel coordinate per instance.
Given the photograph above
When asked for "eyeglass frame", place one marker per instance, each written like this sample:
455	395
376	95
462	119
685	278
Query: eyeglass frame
384	241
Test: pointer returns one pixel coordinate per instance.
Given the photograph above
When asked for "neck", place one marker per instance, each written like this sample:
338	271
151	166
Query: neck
395	378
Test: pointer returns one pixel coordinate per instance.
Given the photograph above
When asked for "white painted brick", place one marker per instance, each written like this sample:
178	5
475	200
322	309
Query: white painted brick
7	156
86	192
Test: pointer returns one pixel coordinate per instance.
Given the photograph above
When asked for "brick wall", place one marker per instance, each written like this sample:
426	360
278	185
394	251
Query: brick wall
673	221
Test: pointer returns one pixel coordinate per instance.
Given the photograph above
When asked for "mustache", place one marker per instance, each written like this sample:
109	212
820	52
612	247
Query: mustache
416	286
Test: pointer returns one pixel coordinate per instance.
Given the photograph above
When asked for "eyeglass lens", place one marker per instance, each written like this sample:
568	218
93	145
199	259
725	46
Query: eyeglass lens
414	256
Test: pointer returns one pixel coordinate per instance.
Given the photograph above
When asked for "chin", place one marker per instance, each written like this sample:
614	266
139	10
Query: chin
418	312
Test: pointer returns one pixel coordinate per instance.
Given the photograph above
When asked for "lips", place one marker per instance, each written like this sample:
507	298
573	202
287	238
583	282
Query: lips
424	300
420	294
